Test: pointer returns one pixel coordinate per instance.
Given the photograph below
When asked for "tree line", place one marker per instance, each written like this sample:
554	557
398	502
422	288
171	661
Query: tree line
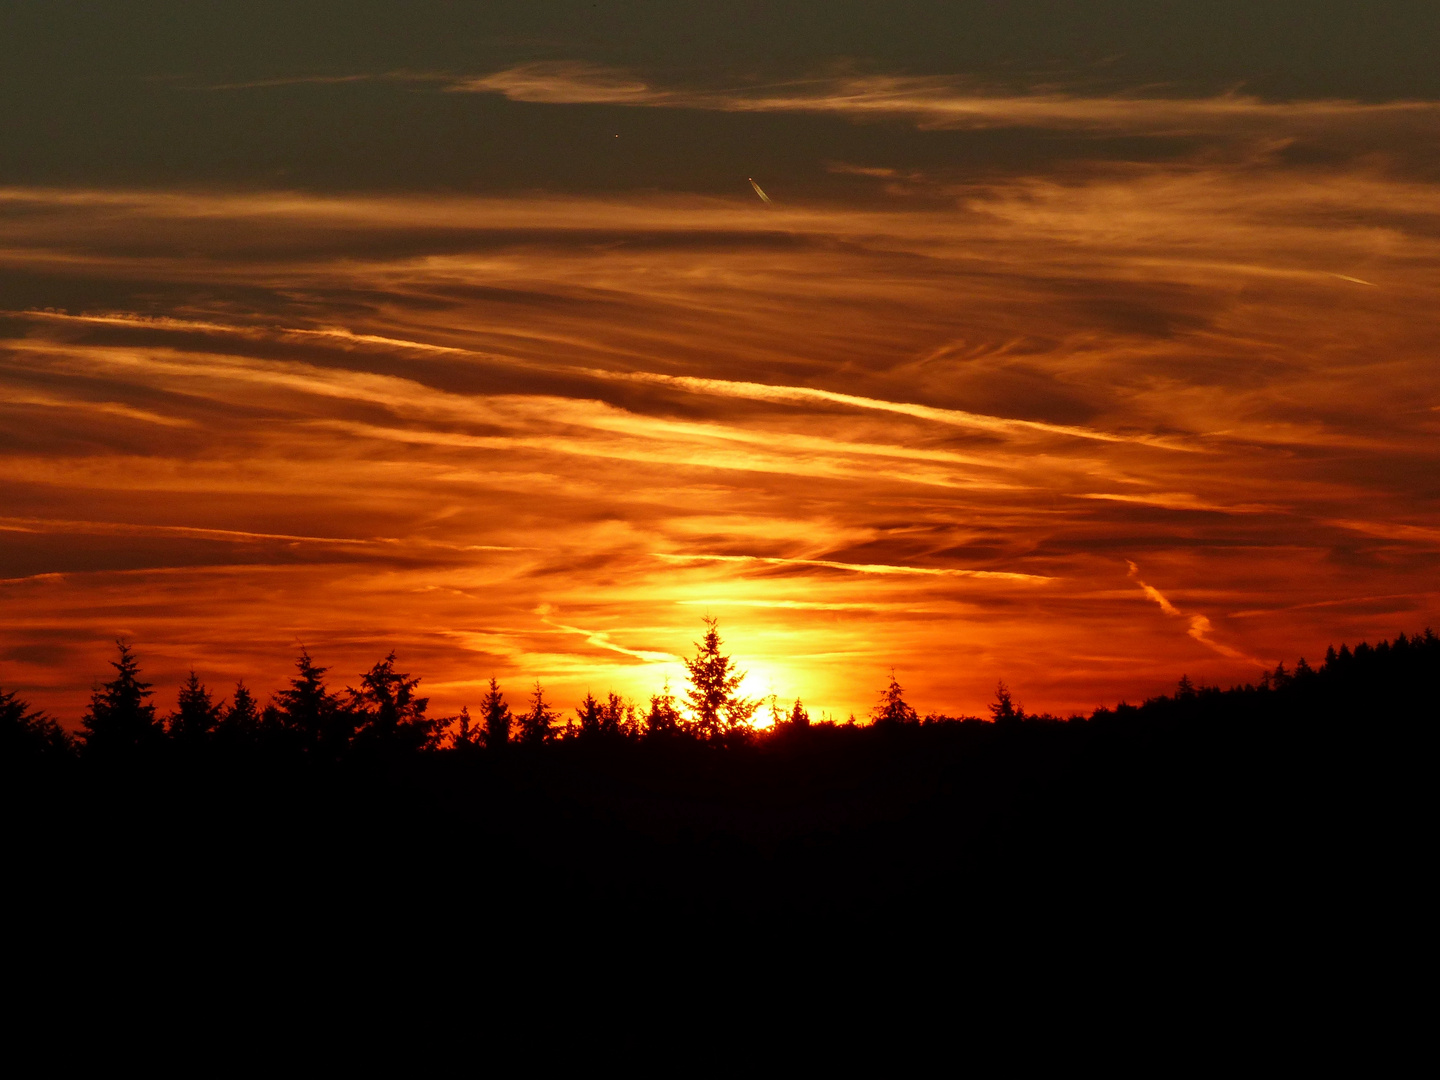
385	715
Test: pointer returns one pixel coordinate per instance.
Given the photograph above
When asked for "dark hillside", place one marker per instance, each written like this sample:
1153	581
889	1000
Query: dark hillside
1280	793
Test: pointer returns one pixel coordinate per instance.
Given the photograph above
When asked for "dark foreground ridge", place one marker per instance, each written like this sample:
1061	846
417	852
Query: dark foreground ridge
1307	783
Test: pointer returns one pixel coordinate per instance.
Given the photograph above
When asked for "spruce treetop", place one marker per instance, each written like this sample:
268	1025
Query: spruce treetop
893	708
196	713
121	719
537	725
495	715
716	706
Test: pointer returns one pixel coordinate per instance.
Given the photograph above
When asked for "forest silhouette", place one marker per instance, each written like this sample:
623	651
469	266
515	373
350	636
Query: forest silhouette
685	801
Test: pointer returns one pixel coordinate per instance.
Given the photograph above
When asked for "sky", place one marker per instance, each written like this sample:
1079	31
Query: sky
1078	346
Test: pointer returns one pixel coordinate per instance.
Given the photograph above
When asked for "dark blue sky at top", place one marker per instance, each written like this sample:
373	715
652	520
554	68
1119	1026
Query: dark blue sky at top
121	93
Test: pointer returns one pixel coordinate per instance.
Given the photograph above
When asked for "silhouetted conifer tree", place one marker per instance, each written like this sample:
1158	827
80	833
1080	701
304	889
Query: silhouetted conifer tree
893	708
120	719
496	717
240	723
465	735
388	714
799	718
716	709
590	716
612	714
310	715
617	716
1185	688
664	717
194	720
537	726
632	725
777	718
1280	678
26	734
1003	707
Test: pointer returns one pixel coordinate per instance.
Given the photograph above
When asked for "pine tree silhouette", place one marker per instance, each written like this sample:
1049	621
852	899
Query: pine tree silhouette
664	717
1003	708
776	716
590	716
715	707
537	726
617	716
120	720
465	736
387	712
27	733
194	720
240	724
893	708
310	715
496	716
799	718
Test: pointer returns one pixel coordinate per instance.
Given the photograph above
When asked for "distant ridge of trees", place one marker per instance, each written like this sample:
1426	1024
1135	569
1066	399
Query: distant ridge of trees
385	716
1256	805
26	733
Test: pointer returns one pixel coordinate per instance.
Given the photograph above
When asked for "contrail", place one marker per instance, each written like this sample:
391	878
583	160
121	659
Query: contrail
858	568
1200	627
758	191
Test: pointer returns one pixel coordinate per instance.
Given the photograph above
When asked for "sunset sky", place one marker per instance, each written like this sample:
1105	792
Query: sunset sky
1080	345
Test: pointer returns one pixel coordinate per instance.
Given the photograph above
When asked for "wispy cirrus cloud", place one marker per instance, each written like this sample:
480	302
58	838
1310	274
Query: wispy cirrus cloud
601	639
956	417
566	83
923	430
936	101
856	568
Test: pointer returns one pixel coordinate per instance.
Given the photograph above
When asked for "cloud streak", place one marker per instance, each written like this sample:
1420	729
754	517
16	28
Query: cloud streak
912	430
1200	627
937	102
857	568
955	417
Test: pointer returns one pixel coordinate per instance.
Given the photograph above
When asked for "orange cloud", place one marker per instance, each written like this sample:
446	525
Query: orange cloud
916	433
